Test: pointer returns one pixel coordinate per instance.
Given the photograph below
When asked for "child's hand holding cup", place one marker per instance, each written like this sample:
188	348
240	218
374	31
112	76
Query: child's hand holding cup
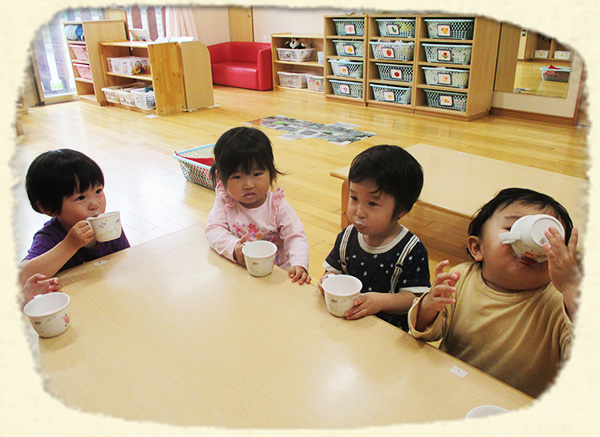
340	293
107	226
527	235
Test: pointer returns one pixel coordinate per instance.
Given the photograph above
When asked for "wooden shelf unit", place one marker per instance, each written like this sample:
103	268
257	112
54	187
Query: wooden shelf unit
481	69
484	45
95	32
180	73
373	74
330	36
278	40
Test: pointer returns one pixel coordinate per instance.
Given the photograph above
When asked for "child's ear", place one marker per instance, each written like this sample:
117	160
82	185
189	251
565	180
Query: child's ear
474	246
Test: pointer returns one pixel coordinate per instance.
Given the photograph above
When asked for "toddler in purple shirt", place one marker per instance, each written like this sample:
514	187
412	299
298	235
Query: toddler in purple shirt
69	187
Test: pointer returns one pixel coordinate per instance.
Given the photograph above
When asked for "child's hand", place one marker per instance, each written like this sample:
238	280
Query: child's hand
38	284
237	251
300	275
443	287
80	234
365	305
320	284
563	266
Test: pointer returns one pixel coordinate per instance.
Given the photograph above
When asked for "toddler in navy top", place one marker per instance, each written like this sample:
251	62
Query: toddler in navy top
391	262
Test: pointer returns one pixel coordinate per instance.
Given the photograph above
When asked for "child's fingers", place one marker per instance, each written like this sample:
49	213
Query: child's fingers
439	269
446	278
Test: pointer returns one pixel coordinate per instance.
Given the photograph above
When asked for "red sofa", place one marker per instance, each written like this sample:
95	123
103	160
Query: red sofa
242	64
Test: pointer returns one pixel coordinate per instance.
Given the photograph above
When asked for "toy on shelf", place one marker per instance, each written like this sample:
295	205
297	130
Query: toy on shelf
295	43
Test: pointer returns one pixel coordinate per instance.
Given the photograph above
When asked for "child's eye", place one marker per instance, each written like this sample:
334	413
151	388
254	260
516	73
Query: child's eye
354	198
372	203
235	176
258	173
99	190
80	197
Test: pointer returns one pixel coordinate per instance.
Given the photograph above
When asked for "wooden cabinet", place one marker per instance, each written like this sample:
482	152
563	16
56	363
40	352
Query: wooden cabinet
346	49
286	65
391	68
89	88
465	90
396	70
180	73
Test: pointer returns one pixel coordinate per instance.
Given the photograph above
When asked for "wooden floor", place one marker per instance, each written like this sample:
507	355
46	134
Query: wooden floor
528	78
145	183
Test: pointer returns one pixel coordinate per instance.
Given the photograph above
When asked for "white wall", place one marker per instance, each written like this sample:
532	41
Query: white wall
289	20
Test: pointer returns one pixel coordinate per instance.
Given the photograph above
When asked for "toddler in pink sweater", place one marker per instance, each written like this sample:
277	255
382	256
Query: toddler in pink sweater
246	209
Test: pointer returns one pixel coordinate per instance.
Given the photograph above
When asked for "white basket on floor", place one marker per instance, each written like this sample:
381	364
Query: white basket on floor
292	79
144	99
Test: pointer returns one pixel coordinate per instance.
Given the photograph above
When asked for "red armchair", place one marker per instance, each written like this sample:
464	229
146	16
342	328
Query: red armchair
242	64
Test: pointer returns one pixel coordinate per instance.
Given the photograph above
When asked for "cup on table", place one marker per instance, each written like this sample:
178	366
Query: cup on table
526	235
260	257
106	226
340	293
49	314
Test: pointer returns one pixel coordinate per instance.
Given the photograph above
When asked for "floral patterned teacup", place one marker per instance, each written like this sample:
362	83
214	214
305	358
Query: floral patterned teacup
340	293
260	257
49	313
106	226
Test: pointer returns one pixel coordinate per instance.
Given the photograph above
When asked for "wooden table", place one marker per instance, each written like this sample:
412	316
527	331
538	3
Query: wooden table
169	331
457	184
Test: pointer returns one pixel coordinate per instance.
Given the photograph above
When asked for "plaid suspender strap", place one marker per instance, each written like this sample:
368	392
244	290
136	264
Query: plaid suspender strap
343	246
398	270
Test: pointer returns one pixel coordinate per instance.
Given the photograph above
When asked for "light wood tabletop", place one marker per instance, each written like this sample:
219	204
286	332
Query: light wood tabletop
461	183
169	331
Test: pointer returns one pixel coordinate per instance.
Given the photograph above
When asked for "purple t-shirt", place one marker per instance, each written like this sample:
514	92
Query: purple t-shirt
53	233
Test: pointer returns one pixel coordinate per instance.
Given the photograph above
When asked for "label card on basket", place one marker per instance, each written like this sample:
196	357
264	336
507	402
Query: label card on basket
443	30
446	101
388	96
349	49
344	89
388	53
350	29
396	73
445	78
444	55
393	29
344	70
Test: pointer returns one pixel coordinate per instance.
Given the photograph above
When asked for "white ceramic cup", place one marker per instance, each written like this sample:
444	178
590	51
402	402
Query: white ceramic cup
49	313
340	293
485	411
106	226
527	235
260	257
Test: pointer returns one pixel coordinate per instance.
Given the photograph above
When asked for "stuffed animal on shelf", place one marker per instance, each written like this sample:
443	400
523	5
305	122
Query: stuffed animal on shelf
295	43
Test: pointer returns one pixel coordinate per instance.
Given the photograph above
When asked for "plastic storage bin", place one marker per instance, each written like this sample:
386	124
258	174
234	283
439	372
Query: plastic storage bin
126	97
396	27
84	71
387	93
349	48
111	91
347	89
446	77
397	51
129	65
314	82
193	171
296	55
349	26
292	79
450	28
446	100
400	73
80	51
448	53
555	74
143	99
342	67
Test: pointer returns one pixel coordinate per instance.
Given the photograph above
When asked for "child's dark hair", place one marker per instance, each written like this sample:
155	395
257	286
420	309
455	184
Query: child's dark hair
57	174
242	149
394	170
524	196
